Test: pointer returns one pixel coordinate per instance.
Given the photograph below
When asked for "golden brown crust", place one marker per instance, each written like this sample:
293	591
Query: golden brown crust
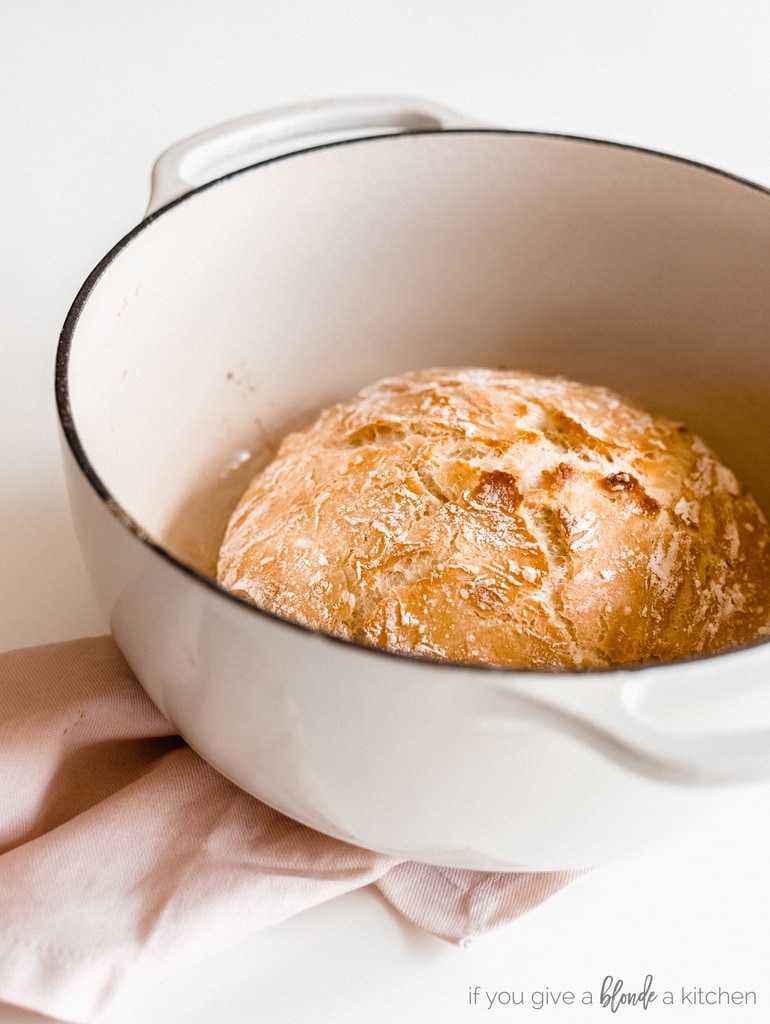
506	519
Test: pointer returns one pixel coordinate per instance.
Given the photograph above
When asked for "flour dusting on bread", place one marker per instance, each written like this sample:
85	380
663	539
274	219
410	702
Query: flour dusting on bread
501	518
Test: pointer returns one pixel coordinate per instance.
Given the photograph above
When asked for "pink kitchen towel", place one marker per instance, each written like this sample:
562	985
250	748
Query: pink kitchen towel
124	856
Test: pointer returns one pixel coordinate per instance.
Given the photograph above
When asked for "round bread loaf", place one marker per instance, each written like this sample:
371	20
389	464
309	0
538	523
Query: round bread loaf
504	519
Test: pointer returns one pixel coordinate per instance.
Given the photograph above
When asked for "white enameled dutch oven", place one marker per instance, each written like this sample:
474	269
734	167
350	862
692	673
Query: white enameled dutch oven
397	235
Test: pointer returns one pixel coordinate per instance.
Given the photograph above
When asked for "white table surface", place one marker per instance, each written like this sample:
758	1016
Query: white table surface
92	91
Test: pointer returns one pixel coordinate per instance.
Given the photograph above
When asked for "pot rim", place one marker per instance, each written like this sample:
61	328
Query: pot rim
77	450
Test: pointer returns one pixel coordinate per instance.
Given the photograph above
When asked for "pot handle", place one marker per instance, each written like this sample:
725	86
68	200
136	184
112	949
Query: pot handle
239	143
621	714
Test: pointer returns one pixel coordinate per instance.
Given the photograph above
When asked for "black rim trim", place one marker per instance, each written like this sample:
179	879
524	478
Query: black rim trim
66	419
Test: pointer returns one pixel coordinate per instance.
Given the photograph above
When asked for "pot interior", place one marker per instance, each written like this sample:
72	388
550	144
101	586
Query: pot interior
235	314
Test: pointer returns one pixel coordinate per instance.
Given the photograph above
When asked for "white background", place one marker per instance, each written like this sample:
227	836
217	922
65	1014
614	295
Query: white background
91	92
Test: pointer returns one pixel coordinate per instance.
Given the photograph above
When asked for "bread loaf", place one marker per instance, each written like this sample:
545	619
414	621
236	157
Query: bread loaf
501	518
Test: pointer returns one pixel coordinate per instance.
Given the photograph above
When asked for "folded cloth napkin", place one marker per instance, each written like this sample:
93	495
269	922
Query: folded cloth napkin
124	856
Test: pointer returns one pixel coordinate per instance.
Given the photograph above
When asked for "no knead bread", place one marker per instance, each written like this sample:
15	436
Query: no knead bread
506	519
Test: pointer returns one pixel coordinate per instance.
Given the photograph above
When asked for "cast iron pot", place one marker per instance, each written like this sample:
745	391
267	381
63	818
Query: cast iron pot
265	284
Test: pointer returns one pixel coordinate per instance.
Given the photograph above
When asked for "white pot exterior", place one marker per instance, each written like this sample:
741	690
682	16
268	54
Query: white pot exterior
234	314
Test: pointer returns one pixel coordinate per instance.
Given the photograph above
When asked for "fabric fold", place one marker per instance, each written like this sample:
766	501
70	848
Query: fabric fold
124	856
